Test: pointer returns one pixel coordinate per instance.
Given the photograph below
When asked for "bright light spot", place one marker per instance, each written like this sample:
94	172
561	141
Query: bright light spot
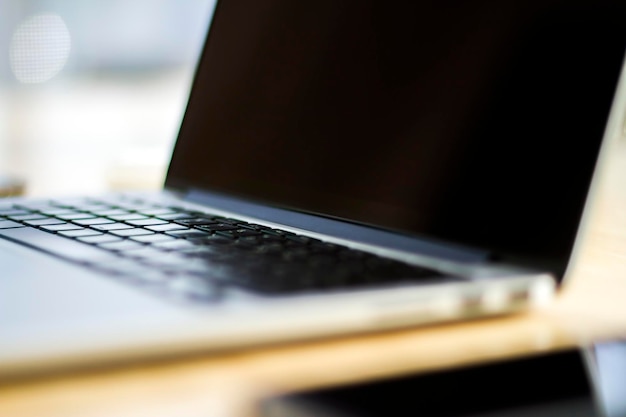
39	48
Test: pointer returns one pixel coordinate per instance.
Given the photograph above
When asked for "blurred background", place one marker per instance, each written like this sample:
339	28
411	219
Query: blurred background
92	92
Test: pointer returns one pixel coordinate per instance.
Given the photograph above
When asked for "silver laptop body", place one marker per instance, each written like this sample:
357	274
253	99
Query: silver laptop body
460	138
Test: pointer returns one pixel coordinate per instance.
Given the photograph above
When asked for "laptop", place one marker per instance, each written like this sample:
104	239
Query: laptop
341	167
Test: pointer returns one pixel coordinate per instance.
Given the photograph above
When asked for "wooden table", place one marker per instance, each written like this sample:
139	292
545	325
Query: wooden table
592	306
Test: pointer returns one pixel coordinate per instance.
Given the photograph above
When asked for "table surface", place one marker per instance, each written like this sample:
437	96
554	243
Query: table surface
590	307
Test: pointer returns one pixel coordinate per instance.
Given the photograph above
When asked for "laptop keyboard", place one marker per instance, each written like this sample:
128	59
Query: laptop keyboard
193	255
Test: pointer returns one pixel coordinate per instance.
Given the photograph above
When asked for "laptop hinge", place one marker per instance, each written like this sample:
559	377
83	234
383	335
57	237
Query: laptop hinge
337	228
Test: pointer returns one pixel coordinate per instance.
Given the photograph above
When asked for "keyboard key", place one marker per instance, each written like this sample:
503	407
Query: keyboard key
167	227
175	216
61	227
7	224
146	222
90	207
213	239
93	221
238	233
206	252
80	233
44	222
131	216
56	211
24	217
112	226
195	221
188	233
275	232
13	212
139	207
74	216
217	226
227	234
131	232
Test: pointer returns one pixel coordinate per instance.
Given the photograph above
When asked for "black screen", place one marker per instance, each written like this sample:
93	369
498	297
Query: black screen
477	122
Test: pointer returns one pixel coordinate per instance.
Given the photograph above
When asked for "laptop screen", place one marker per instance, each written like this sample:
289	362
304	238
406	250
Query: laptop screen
476	122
